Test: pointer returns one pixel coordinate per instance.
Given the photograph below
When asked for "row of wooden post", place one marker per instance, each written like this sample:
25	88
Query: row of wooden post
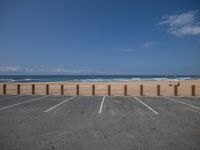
93	90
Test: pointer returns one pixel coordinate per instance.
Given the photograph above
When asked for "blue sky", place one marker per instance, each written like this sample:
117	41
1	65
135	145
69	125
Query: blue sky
100	37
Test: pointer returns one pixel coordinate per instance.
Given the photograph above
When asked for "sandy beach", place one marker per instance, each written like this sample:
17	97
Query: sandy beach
101	88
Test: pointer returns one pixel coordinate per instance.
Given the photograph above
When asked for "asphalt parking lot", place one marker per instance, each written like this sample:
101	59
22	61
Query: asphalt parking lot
30	122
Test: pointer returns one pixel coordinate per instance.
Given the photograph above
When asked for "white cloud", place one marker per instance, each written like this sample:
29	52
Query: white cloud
150	44
11	69
182	24
125	50
45	70
128	50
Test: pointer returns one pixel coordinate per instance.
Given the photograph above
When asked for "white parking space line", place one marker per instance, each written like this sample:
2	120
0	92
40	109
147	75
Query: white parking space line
59	104
10	97
147	106
192	106
2	108
101	106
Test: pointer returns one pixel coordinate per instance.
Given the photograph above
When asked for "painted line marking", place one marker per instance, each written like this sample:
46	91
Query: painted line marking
6	107
10	97
146	106
101	106
59	104
193	106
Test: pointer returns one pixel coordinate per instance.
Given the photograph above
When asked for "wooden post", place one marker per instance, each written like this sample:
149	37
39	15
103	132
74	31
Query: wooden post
125	90
109	90
62	89
47	89
158	90
193	90
93	89
4	89
141	90
18	89
33	88
175	90
77	89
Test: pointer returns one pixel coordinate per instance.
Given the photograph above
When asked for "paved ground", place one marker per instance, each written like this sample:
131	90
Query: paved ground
99	123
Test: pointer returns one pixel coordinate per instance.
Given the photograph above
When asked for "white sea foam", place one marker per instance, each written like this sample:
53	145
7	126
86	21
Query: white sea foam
17	80
184	78
91	80
97	79
135	79
121	79
7	80
101	80
159	79
128	79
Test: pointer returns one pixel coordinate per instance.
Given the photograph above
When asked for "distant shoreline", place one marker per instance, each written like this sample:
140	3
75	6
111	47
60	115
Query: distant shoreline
122	81
93	78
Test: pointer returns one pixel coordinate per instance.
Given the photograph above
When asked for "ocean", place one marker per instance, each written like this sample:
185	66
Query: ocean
91	78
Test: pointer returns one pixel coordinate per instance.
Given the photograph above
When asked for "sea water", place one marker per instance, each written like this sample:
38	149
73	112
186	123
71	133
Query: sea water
92	78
